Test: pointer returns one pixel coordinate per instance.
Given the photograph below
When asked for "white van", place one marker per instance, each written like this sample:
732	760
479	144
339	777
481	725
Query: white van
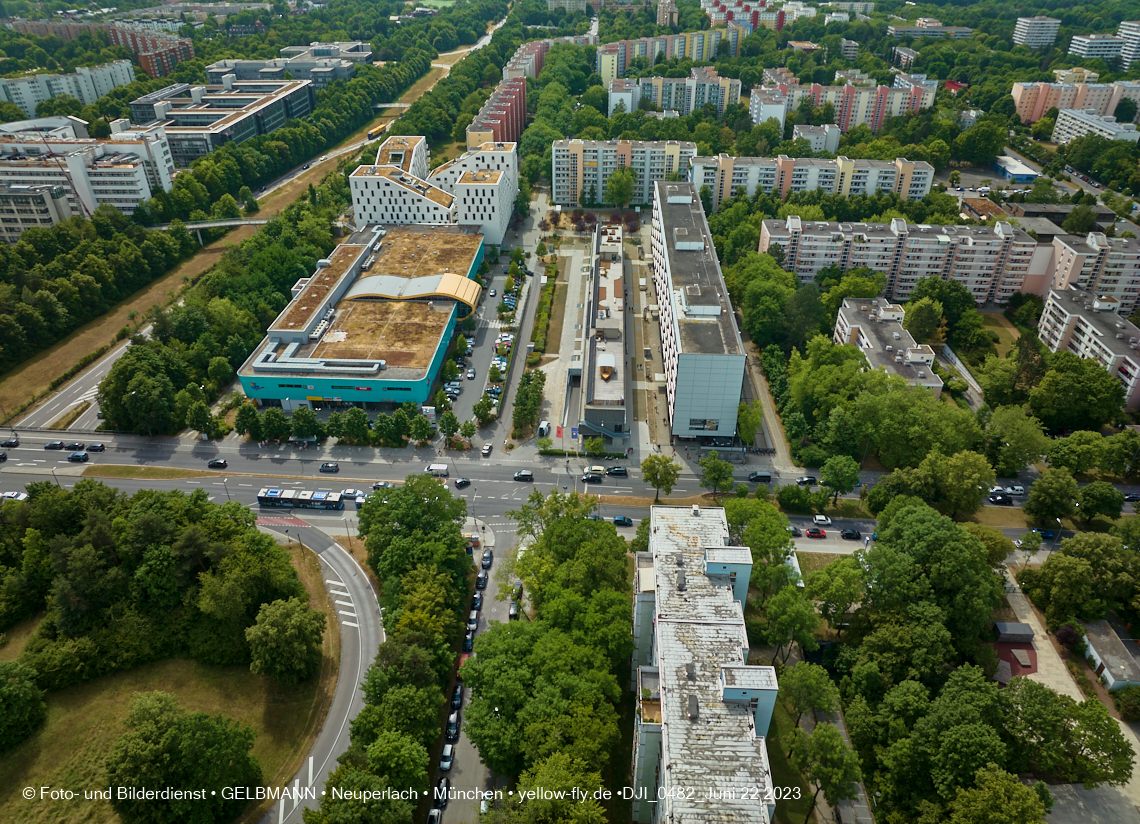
544	429
438	470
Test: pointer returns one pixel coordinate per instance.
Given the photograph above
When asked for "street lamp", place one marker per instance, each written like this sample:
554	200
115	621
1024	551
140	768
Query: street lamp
347	532
1056	537
54	477
227	486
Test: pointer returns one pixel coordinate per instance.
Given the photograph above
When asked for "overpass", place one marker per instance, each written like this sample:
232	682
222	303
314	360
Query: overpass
379	106
197	226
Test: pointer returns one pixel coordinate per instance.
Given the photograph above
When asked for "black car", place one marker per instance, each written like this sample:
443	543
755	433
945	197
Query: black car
850	534
524	475
78	457
807	480
591	478
217	463
383	485
442	791
622	520
10	443
795	530
1132	497
516	591
469	642
481	579
74	446
457	697
460	483
617	471
3	456
488	558
760	477
330	466
1001	500
53	445
98	447
513	612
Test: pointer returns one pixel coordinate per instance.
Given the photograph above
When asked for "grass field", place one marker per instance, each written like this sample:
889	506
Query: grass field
557	309
17	637
1007	333
148	473
84	721
811	562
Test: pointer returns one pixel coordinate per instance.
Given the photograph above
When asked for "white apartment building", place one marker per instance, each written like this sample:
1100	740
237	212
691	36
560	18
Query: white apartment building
1074	123
478	188
875	326
821	138
1109	267
703	711
624	95
1036	32
86	85
1093	327
991	262
1091	46
1129	30
701	351
23	207
784	175
121	171
582	168
849	49
764	104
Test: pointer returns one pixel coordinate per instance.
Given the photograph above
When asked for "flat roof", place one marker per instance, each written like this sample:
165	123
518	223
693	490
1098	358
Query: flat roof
402	333
484	176
301	310
228	106
883	345
1013	165
1103	322
1117	658
985	206
416	251
708	327
402	145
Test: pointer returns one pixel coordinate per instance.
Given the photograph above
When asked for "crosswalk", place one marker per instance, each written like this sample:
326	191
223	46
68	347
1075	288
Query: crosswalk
343	603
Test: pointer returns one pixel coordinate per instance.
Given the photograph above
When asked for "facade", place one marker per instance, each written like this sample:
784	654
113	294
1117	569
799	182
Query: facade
1033	100
703	356
700	46
682	94
1075	75
1074	123
857	7
992	262
856	105
23	207
199	119
904	57
667	14
485	183
875	326
569	5
907	81
1106	267
582	167
1123	89
783	175
1093	46
63	29
86	85
321	63
821	138
1093	327
503	117
604	378
371	326
693	677
121	171
158	53
1036	32
1129	30
929	27
849	49
764	104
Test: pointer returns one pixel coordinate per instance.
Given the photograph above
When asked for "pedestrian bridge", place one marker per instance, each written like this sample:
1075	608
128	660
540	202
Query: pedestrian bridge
197	226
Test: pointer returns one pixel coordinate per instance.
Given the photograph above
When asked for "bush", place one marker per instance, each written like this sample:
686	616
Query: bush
1128	703
794	498
813	456
533	358
1072	637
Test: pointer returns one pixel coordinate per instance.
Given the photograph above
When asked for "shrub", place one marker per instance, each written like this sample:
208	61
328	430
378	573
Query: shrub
1128	703
1072	638
533	358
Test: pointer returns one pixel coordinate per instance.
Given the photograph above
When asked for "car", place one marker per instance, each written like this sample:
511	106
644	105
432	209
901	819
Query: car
760	477
352	493
1017	489
96	447
452	731
495	390
330	466
3	456
492	293
481	579
442	793
997	490
1047	534
591	478
594	516
1001	500
806	480
473	621
53	445
469	641
850	534
460	483
383	485
487	449
1132	497
816	533
516	591
447	757
15	496
795	530
488	558
78	457
214	463
618	471
524	475
457	697
821	520
477	600
622	520
307	165
10	443
470	374
513	612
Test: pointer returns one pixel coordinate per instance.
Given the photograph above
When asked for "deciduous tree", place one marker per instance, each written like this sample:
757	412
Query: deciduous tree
661	473
285	641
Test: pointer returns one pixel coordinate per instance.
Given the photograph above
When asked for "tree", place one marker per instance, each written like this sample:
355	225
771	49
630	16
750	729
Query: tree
483	409
595	446
923	320
1051	497
198	418
1080	452
717	474
955	178
460	344
22	707
421	429
619	188
450	370
494	375
285	641
248	422
823	757
1076	394
1081	220
839	474
220	372
808	688
963	480
399	758
1014	440
997	797
448	425
661	473
1099	498
836	587
274	425
167	746
791	620
467	430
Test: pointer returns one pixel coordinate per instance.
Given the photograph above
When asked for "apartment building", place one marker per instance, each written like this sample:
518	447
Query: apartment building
702	354
199	119
1075	75
1124	89
701	46
908	81
856	105
121	171
485	182
158	53
820	138
667	14
599	359
836	17
783	175
1036	32
389	196
86	85
1093	327
780	76
682	94
63	29
848	49
854	77
992	262
503	117
692	677
567	5
767	103
929	27
1093	46
1033	100
1074	123
1129	31
856	7
903	56
582	168
24	206
875	326
1108	267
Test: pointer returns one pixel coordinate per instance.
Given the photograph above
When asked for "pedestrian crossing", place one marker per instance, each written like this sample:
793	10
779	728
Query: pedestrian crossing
343	599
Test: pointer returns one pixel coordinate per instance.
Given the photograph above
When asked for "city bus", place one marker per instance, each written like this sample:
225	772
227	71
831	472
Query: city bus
300	499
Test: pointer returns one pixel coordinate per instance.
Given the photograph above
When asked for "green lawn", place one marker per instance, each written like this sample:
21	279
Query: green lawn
1007	333
811	562
792	811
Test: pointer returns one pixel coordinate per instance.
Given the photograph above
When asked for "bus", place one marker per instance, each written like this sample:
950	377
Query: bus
300	499
375	133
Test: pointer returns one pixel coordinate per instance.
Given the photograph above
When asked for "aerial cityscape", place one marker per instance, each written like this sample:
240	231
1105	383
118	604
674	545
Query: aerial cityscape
570	412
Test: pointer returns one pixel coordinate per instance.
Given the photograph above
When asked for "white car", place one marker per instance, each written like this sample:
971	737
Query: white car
447	757
1018	490
821	520
15	496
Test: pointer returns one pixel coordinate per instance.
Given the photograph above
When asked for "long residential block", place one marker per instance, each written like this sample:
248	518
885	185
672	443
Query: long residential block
1093	46
701	46
1036	32
858	105
931	28
1033	100
1074	123
681	94
86	85
158	53
503	117
583	167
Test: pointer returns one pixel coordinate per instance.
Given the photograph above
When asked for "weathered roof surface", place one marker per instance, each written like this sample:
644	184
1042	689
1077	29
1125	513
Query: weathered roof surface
393	287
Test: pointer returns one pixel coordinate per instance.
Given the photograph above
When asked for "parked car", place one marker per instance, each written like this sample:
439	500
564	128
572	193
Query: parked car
488	558
460	483
481	579
524	475
821	520
1001	500
622	520
79	457
806	480
816	533
492	293
850	534
1132	497
513	612
591	478
447	757
53	445
3	456
442	791
1018	490
477	600
330	466
457	697
469	641
594	516
98	447
487	449
618	471
473	620
215	463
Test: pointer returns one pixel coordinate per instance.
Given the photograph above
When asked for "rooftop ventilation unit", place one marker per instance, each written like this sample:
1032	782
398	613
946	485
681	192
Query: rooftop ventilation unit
691	671
694	708
681	581
696	510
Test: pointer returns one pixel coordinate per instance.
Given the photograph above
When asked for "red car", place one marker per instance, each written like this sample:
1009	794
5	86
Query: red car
815	533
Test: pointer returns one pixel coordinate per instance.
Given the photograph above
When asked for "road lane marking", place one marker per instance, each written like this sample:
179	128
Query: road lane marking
349	614
328	581
345	603
349	624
